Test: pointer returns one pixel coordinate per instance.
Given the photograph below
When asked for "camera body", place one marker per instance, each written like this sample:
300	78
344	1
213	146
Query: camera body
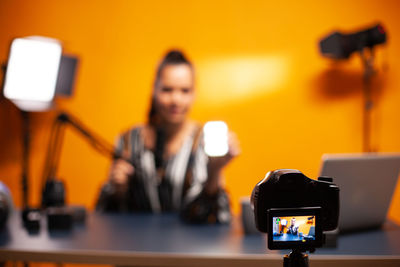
285	195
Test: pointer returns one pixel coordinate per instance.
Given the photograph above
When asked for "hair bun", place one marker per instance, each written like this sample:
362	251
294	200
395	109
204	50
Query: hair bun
175	57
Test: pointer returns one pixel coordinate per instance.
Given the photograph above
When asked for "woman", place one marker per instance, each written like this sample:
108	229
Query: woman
167	168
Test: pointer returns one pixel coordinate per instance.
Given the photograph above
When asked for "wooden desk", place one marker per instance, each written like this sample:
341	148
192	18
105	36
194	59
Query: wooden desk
163	240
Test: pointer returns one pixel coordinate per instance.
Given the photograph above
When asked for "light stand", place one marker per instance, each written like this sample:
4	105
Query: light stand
368	103
340	46
30	217
25	157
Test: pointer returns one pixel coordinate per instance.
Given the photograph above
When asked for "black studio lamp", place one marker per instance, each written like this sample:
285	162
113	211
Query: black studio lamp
340	46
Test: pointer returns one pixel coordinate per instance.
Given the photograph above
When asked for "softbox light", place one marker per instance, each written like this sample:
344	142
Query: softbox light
32	72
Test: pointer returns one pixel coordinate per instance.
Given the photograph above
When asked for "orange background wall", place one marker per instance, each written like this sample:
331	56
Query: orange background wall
258	68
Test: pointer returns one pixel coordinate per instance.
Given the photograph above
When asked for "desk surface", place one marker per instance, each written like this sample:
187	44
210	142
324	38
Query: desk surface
163	240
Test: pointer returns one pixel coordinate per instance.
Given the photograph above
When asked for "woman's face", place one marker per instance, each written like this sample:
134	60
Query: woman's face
174	93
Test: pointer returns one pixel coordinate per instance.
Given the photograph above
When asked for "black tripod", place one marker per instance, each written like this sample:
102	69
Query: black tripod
296	258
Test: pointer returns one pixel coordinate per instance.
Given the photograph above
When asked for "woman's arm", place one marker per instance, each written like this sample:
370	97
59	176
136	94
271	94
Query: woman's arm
113	192
206	201
216	165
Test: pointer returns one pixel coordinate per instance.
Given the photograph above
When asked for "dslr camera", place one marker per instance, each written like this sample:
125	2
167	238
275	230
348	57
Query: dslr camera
295	210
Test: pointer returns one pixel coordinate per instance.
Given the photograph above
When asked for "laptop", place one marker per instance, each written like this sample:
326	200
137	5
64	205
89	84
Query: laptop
367	182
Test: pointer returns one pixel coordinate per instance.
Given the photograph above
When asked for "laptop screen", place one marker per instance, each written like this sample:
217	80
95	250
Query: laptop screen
367	182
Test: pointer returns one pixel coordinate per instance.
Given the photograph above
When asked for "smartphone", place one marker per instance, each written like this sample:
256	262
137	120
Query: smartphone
216	138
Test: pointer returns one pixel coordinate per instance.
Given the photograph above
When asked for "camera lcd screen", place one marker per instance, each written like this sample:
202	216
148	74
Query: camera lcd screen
294	228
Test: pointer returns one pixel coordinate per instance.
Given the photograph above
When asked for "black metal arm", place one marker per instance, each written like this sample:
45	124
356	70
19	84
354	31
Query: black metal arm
49	181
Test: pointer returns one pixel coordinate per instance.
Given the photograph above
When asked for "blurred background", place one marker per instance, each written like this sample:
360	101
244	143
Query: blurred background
258	68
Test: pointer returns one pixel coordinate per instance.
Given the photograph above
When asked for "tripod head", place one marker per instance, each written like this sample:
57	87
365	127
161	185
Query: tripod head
296	258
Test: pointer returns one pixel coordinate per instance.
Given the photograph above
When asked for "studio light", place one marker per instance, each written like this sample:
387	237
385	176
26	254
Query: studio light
35	73
338	45
32	71
216	138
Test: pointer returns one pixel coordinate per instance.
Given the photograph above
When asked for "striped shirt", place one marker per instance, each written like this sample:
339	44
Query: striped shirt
180	189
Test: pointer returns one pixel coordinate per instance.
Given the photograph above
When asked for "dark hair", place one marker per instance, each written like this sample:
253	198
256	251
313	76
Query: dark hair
172	57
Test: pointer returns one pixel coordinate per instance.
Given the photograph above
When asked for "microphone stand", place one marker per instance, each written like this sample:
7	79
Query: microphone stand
53	190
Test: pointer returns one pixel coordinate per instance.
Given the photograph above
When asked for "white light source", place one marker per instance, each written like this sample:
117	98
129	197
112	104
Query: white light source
32	71
216	138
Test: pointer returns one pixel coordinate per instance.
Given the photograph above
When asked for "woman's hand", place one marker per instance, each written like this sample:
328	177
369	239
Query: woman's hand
120	172
216	164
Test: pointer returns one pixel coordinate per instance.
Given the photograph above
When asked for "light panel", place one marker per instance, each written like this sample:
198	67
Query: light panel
216	138
32	71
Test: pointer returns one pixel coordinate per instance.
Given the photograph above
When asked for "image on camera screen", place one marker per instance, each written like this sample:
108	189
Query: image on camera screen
293	228
290	228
